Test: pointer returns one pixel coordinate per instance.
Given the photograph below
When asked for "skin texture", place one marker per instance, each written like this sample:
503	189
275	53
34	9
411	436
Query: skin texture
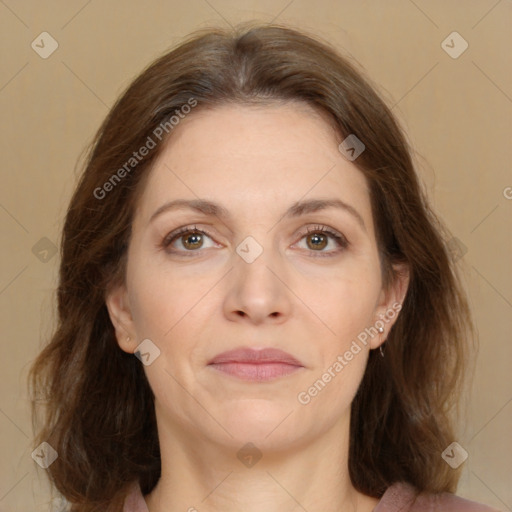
256	161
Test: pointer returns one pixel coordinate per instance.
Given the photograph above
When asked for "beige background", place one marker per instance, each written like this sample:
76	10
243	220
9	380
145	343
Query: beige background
457	113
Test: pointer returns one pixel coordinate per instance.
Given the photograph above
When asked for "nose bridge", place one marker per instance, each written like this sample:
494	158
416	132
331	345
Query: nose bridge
254	259
257	233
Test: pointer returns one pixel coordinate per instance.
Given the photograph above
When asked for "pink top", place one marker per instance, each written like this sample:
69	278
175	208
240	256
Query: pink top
400	497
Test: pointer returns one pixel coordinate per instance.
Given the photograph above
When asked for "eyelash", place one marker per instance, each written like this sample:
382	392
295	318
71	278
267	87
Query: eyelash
318	229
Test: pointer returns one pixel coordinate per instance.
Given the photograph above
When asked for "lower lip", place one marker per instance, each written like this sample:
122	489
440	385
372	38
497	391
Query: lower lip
260	372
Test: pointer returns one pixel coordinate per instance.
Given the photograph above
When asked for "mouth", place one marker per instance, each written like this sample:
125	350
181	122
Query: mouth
257	365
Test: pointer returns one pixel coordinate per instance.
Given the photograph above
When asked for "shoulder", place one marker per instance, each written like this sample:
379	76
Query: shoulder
400	497
134	501
405	498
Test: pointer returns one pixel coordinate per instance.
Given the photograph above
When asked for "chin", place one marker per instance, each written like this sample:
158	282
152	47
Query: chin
269	425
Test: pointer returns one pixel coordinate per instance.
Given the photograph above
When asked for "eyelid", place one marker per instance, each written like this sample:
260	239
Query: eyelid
175	234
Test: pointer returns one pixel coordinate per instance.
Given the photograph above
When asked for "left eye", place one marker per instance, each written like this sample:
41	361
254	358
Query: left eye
317	239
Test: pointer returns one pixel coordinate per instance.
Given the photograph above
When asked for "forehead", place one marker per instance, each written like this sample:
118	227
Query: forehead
247	157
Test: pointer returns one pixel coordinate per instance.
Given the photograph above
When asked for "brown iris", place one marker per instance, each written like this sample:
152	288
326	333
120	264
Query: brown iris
315	237
196	242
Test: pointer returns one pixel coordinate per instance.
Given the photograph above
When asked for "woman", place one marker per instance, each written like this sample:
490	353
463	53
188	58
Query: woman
256	307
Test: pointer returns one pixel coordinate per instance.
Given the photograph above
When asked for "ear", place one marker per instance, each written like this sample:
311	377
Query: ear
390	303
116	300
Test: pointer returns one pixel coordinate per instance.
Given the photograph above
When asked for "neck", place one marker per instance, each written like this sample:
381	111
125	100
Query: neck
198	475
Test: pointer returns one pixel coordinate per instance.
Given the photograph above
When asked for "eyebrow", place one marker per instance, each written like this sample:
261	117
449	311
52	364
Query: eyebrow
297	209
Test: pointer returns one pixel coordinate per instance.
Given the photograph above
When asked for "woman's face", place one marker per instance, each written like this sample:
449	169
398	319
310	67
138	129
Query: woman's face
262	275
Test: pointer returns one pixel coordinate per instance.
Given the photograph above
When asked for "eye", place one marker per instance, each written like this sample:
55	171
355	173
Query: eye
190	238
317	238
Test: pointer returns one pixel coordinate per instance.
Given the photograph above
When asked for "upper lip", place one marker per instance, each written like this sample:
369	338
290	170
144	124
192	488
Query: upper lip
255	356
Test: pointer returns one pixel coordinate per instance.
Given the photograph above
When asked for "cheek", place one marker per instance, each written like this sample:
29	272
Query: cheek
347	301
347	308
161	300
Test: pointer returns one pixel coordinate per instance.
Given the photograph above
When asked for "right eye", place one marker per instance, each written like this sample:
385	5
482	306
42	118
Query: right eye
190	237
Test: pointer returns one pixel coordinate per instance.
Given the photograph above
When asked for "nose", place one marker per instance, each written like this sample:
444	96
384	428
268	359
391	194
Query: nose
257	292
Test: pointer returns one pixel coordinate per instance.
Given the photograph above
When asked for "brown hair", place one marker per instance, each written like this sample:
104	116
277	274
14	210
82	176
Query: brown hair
105	434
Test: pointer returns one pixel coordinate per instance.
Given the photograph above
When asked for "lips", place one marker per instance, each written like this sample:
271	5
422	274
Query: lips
255	356
256	364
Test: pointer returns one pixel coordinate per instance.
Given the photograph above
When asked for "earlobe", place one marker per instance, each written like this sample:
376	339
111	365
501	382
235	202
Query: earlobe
119	311
391	303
